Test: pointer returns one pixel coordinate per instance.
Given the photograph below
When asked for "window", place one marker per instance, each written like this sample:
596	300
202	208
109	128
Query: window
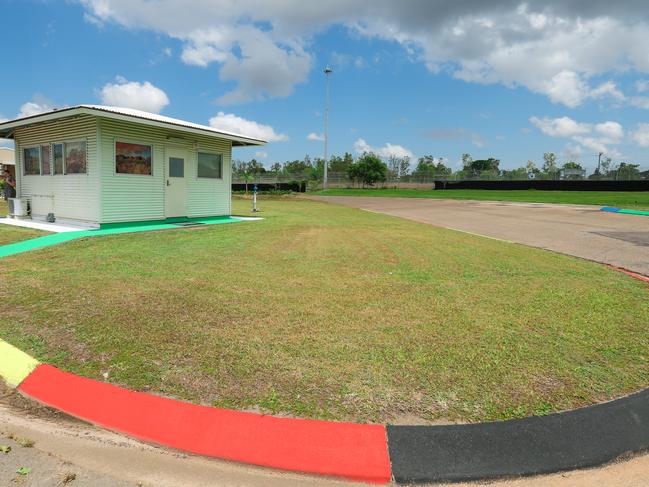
45	160
32	161
75	157
210	165
57	152
176	167
133	159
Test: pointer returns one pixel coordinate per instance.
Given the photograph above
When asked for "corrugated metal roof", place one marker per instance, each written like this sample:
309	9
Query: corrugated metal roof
139	114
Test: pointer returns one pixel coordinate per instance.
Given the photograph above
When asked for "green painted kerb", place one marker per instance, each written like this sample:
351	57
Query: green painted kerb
108	229
634	212
15	365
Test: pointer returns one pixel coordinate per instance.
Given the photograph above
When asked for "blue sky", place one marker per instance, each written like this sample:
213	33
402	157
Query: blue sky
494	79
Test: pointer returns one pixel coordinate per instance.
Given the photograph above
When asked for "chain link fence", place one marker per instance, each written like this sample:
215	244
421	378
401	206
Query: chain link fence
410	181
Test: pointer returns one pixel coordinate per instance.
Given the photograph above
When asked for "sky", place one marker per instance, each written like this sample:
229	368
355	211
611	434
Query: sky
504	79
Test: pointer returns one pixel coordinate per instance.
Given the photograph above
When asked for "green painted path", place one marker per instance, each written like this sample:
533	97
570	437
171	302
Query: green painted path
109	229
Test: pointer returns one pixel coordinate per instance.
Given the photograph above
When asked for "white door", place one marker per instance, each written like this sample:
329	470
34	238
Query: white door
176	189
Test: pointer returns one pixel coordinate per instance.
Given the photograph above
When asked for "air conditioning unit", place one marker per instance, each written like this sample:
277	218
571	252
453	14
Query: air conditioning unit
18	207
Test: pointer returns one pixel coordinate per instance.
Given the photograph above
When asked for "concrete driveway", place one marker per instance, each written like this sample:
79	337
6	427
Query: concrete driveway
583	231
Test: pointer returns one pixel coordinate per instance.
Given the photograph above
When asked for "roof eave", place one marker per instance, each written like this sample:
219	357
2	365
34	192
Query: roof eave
7	128
248	141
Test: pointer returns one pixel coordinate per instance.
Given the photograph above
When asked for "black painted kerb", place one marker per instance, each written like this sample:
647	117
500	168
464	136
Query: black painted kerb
581	438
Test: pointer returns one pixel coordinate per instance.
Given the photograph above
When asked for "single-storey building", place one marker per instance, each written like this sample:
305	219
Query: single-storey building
7	161
91	164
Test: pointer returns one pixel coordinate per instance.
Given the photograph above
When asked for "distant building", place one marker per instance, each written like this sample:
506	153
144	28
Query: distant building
7	161
572	173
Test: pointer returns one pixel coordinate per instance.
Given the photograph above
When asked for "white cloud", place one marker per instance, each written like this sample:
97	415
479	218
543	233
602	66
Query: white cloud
596	137
316	137
642	85
560	127
640	101
229	122
132	94
607	88
261	154
387	151
641	135
35	107
554	48
340	61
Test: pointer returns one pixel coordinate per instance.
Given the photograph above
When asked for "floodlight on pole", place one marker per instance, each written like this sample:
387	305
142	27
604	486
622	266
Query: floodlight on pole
599	162
327	71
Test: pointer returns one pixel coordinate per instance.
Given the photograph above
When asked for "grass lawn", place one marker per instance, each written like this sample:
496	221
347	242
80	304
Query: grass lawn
9	234
621	199
329	312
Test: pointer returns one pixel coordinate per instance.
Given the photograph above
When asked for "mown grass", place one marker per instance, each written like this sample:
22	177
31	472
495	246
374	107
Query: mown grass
622	199
324	311
9	234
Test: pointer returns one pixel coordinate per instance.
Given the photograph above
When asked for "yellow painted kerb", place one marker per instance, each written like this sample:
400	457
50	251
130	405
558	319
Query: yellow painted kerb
15	365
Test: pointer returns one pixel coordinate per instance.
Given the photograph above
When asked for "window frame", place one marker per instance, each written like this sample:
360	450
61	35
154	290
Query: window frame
137	142
49	146
62	144
65	157
220	154
38	148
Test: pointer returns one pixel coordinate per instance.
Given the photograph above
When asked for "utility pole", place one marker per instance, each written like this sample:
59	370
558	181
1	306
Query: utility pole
327	72
599	162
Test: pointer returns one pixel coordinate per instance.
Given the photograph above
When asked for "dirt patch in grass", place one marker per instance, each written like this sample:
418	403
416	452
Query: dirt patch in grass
328	312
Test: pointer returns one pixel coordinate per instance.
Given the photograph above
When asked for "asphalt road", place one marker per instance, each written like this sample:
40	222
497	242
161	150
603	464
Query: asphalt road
583	231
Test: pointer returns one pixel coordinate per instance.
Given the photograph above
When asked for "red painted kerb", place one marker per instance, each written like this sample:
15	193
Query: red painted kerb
630	273
353	451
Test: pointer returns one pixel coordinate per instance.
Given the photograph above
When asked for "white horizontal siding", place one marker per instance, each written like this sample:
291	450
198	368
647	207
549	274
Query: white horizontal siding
70	196
207	197
134	197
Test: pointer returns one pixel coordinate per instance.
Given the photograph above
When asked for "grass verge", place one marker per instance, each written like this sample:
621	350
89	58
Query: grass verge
621	199
329	312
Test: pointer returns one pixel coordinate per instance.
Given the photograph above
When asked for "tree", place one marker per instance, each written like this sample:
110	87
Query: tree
514	174
466	161
481	167
550	164
398	166
442	170
605	165
532	170
276	168
256	167
368	169
425	167
404	166
430	167
339	164
297	167
627	171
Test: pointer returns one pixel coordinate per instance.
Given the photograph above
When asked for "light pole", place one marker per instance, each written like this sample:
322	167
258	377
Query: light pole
327	72
599	162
